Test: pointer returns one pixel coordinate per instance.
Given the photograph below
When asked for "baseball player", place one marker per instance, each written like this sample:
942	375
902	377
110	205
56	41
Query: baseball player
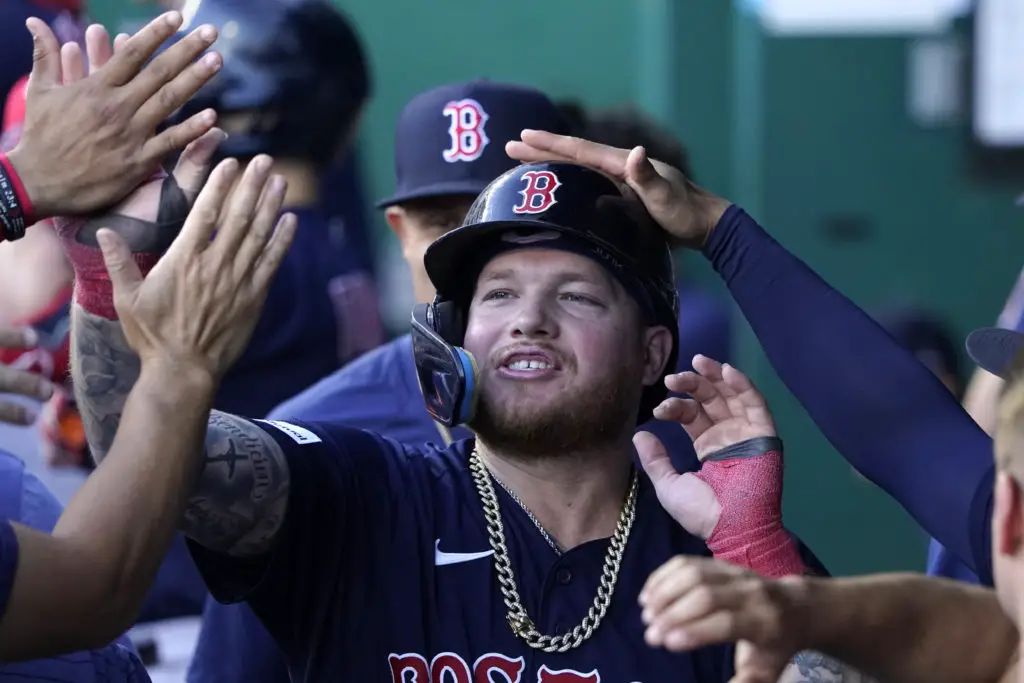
293	85
519	553
439	167
892	424
449	144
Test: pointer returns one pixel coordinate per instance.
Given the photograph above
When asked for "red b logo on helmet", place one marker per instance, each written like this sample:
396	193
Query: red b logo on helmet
539	193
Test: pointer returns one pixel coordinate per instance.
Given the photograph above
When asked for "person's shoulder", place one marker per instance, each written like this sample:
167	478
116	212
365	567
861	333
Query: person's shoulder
380	371
342	437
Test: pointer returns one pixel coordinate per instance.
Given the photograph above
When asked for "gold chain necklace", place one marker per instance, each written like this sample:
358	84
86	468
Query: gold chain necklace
536	522
518	619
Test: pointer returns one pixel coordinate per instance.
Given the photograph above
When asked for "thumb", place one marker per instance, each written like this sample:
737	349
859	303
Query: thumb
645	179
46	69
124	272
654	458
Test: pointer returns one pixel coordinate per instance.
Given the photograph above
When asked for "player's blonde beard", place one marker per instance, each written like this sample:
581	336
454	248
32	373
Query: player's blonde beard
570	424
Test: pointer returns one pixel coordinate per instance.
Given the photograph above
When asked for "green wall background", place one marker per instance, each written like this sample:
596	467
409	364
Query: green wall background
800	131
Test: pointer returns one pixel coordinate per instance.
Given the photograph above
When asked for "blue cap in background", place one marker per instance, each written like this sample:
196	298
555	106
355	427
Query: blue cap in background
450	140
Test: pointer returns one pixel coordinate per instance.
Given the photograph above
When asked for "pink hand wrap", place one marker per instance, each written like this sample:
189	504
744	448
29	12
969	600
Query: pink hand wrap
93	289
747	481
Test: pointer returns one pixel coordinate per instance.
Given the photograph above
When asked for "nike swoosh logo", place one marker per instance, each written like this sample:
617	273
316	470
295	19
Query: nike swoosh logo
442	558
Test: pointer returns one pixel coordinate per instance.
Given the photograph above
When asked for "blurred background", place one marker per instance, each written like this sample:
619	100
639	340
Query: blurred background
881	141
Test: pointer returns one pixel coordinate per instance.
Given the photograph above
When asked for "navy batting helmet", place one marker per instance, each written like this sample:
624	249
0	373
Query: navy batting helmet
295	68
550	205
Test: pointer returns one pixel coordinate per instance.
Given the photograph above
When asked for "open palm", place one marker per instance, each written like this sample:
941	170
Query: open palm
724	409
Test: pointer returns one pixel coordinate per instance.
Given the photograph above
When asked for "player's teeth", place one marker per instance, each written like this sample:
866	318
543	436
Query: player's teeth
529	365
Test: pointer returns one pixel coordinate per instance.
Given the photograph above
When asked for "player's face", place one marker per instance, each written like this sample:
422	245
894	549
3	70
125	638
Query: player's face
562	353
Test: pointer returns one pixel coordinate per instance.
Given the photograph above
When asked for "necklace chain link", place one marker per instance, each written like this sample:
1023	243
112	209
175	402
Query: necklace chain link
518	619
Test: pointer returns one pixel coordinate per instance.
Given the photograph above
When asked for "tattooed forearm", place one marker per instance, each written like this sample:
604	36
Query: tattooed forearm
240	500
814	667
103	370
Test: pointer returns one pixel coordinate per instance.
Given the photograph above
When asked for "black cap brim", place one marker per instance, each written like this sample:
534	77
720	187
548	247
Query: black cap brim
469	188
994	349
448	257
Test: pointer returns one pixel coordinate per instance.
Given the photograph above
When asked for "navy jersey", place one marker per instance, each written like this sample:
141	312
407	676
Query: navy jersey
377	392
24	499
382	571
321	311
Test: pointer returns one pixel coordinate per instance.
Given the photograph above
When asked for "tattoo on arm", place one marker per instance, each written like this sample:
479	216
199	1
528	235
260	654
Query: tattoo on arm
240	500
814	667
103	370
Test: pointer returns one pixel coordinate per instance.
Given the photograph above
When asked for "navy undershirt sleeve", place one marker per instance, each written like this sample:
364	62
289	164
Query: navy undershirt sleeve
879	407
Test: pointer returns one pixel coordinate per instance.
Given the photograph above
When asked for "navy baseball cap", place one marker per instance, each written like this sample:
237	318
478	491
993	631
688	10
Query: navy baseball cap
995	349
450	140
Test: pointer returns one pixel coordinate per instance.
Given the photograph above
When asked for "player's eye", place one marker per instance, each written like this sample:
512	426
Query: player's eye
577	298
496	294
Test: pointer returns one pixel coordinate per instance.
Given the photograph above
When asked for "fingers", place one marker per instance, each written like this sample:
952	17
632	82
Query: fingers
520	151
176	93
611	160
685	411
128	61
711	369
18	338
125	275
97	47
255	238
702	390
180	135
238	218
653	457
273	255
45	55
72	63
660	574
644	178
120	41
178	80
194	163
677	577
22	383
202	219
172	77
748	396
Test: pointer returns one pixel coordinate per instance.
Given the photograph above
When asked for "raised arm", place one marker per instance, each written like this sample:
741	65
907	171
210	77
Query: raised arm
189	320
896	627
892	426
241	494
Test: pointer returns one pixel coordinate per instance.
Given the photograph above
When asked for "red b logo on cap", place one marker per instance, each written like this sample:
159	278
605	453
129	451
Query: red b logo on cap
539	193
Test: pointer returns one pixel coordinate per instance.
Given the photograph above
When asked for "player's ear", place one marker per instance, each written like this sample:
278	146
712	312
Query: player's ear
396	218
657	349
1008	516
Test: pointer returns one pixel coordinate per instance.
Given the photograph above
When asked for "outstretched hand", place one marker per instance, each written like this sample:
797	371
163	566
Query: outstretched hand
724	409
77	164
693	602
688	213
197	308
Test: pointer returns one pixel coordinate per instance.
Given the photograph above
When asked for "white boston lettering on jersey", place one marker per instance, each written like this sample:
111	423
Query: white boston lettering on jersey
298	434
442	558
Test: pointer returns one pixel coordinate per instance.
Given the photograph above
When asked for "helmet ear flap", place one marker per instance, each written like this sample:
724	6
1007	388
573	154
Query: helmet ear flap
449	321
447	373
